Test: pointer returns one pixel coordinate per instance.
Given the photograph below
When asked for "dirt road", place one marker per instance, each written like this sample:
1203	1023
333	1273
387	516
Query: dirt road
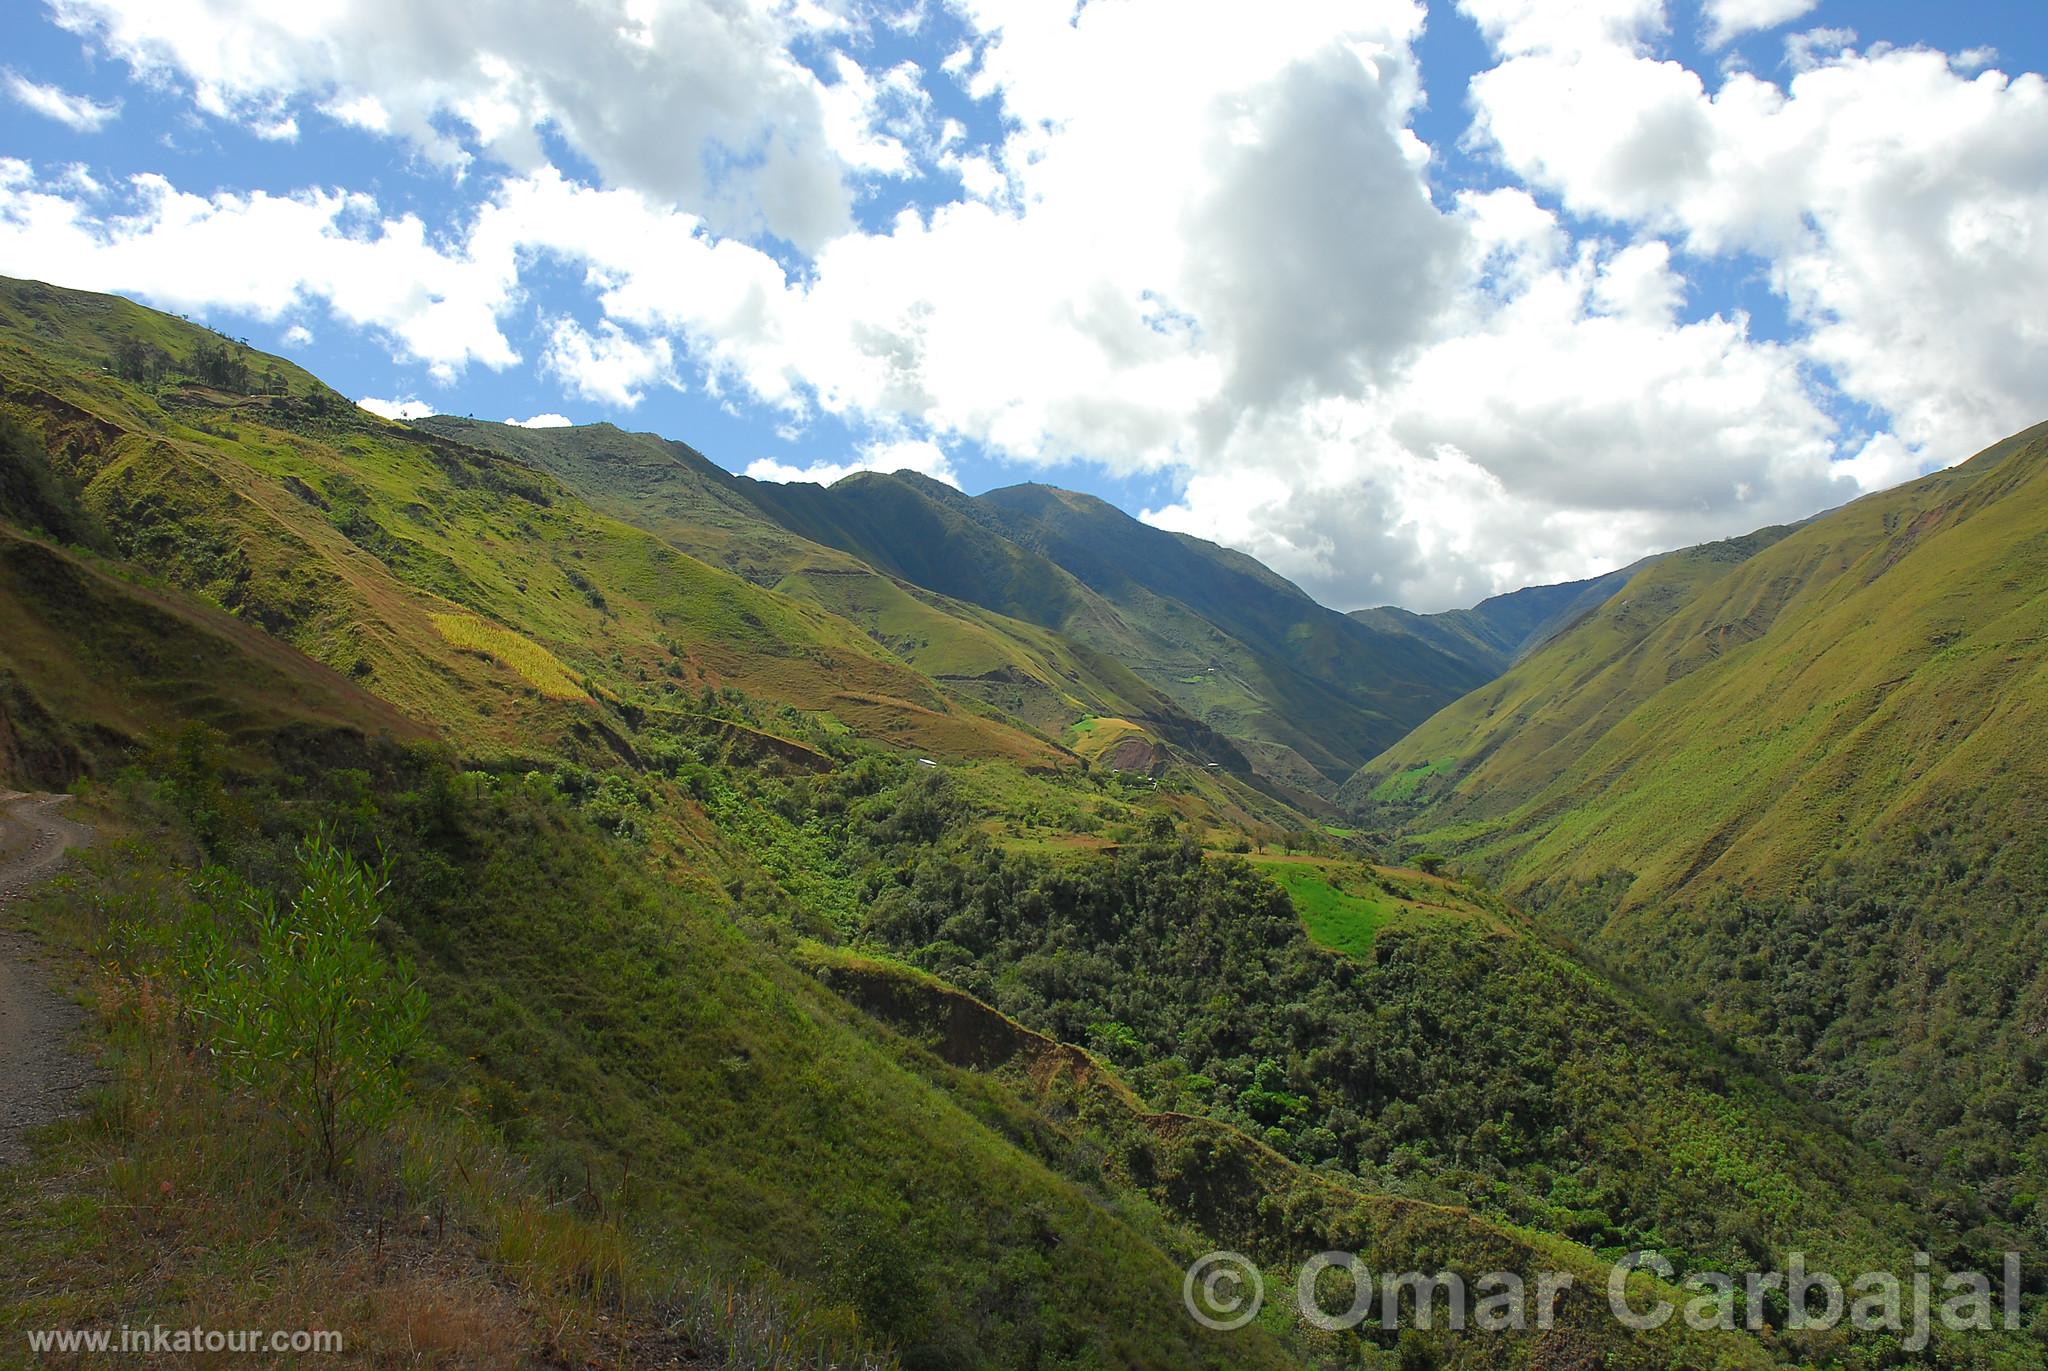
41	1068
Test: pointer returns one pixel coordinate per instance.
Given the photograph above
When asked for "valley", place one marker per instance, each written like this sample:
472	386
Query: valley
871	925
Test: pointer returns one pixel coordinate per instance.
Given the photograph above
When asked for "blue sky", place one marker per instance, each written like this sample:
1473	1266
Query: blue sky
1415	305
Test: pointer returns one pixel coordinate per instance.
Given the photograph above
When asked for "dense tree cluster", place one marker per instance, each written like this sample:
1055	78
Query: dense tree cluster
1900	985
1458	1063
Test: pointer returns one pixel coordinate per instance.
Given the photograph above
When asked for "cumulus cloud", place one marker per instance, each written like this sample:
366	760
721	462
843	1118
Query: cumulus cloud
265	255
700	105
1206	243
1570	423
608	366
80	113
904	454
1884	189
1728	20
397	409
543	421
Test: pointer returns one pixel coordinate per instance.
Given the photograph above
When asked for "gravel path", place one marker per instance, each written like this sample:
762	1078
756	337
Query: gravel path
41	1068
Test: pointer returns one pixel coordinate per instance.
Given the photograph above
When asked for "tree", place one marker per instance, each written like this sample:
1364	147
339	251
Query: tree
32	493
220	365
140	362
305	1010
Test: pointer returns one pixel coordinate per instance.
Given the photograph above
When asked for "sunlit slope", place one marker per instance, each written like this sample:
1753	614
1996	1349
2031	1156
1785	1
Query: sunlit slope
94	668
1302	693
666	487
1742	712
371	547
1235	643
973	651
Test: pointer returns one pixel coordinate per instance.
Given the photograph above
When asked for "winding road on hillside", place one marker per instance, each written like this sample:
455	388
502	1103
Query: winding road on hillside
41	1071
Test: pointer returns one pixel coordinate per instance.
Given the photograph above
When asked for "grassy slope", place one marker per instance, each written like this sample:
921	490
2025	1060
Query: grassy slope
347	536
1216	1177
975	650
92	666
1799	784
1741	712
807	1144
1235	643
967	588
1543	702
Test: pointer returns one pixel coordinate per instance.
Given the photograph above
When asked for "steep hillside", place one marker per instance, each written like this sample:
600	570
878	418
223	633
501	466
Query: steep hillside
1500	630
974	652
1240	646
464	588
1742	711
1269	679
94	668
1800	780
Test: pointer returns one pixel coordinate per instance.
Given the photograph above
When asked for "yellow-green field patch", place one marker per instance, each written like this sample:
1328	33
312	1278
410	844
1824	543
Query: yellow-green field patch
535	665
1338	919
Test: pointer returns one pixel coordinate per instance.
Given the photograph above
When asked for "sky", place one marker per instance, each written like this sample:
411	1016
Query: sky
1417	303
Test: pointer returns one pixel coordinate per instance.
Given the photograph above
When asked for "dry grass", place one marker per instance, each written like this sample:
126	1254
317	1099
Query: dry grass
174	1201
177	1202
534	664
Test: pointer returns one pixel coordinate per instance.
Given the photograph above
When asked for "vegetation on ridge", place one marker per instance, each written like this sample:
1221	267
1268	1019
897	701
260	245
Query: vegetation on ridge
821	968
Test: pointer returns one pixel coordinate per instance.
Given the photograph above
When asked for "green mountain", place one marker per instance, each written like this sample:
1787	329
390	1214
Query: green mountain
460	586
792	996
93	667
1497	632
1797	781
1242	647
1279	684
975	653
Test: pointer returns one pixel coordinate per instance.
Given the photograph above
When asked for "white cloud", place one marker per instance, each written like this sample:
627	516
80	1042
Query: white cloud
699	105
904	454
1728	20
267	255
1569	424
1530	26
397	409
1901	206
78	180
872	124
283	129
543	421
1206	245
298	336
608	366
364	112
79	112
1805	51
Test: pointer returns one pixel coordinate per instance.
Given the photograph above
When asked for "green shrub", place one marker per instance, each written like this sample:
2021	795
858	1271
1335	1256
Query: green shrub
299	1005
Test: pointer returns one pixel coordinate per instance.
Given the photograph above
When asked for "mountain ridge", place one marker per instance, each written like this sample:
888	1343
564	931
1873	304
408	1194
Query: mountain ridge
1266	677
1798	782
674	810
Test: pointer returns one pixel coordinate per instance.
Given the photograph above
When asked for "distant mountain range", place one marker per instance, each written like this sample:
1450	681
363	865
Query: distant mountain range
841	863
1237	663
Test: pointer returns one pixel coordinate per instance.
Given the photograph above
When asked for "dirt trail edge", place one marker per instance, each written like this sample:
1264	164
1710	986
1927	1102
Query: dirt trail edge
41	1069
